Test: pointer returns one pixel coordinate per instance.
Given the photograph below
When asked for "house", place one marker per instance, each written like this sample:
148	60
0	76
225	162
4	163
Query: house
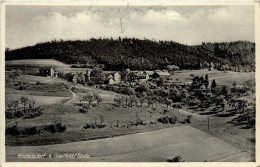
110	81
137	76
143	76
48	71
114	75
161	74
75	78
132	77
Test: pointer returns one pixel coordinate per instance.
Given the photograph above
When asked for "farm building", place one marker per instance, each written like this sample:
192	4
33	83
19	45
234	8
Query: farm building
132	76
143	76
161	74
137	76
48	71
114	75
110	81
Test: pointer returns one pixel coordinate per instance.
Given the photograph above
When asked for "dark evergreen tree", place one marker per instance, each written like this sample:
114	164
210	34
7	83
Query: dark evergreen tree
214	84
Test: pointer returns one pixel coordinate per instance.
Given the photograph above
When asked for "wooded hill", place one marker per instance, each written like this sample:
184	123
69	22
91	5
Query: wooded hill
136	54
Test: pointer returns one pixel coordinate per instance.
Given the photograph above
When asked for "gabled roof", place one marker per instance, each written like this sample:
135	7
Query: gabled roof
46	68
142	74
163	73
109	72
149	72
132	74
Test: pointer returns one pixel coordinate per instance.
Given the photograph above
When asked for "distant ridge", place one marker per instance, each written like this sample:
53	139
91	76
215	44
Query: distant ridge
136	54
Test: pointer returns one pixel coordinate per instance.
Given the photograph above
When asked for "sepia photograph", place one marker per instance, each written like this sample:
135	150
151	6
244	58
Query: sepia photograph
129	83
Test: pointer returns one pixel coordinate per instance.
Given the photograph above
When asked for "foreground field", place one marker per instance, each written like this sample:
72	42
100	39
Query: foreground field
155	146
60	103
116	120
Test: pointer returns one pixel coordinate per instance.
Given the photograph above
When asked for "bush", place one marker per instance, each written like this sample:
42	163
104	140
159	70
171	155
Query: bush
50	128
165	111
21	87
9	115
93	126
173	120
61	128
83	110
90	83
188	119
31	131
33	113
12	130
166	120
19	114
175	159
55	128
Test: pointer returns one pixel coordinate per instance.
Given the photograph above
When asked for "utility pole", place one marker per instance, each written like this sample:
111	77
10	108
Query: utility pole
208	123
25	69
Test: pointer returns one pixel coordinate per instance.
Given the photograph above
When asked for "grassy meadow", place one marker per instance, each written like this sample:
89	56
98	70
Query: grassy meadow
221	77
31	66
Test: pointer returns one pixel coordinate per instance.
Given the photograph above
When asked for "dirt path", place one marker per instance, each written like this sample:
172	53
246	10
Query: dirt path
74	97
190	143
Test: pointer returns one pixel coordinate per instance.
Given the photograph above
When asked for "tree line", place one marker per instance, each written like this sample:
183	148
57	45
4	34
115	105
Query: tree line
136	54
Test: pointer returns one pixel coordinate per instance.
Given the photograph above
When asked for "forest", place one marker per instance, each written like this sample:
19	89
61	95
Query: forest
141	54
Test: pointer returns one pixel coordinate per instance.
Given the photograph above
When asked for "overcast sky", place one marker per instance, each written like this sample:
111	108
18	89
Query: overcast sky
28	25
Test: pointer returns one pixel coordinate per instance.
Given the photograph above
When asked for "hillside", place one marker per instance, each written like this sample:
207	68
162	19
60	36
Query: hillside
138	54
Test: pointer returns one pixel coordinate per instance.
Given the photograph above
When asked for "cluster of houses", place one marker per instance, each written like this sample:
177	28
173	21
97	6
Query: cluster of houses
112	77
115	77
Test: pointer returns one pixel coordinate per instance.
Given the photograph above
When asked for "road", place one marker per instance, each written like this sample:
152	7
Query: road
190	143
73	99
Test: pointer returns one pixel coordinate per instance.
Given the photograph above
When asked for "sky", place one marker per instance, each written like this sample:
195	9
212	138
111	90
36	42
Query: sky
191	25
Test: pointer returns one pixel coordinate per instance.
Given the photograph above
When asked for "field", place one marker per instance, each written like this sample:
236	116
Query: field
75	121
221	78
37	86
190	144
221	132
159	141
31	66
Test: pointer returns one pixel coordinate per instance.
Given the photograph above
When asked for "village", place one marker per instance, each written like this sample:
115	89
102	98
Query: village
129	83
98	77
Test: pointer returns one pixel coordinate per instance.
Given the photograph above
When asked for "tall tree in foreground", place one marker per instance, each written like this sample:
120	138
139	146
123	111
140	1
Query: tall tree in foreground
98	99
24	101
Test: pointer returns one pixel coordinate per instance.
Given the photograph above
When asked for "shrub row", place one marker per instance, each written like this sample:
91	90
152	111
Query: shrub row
166	120
93	126
30	113
15	131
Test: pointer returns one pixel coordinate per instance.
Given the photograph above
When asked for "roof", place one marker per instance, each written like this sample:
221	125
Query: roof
46	68
142	74
163	73
132	74
173	66
109	72
149	72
